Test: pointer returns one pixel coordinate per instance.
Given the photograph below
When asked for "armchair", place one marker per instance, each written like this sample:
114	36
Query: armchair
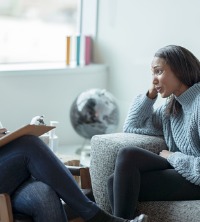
81	175
104	149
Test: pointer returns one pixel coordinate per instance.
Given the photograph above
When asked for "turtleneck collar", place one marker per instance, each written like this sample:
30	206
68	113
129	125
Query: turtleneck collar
186	98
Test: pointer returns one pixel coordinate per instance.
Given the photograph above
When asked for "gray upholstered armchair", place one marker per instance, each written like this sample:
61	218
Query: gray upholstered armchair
103	155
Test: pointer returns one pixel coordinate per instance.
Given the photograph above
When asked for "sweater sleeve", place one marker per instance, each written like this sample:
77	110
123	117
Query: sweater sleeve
142	118
187	166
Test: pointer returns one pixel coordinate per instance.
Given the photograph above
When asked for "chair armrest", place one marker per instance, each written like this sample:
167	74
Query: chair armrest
104	149
84	174
5	208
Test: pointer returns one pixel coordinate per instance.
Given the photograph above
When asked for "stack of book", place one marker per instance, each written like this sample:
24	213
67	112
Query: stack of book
78	50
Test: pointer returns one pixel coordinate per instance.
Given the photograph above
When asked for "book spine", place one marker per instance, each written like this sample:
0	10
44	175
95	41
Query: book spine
68	49
82	50
87	50
78	44
73	54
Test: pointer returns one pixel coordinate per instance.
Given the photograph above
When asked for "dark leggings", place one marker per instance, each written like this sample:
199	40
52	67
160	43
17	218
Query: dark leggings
142	175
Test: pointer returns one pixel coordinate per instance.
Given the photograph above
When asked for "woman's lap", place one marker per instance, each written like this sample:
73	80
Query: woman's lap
159	181
167	185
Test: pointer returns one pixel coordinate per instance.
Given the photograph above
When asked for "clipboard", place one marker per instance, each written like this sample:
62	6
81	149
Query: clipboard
30	129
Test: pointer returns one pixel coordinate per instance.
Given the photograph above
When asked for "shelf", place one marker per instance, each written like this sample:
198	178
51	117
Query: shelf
48	68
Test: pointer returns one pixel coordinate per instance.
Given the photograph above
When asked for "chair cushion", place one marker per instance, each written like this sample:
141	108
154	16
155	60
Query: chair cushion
170	211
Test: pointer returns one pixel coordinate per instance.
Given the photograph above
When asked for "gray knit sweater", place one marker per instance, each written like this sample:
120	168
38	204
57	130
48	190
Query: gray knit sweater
181	132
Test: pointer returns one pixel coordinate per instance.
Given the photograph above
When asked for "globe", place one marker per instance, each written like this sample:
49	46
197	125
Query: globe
94	112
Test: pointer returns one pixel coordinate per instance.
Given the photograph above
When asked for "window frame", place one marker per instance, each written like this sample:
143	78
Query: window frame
88	17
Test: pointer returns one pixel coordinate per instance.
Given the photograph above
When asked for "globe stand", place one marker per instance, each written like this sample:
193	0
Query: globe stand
84	147
84	152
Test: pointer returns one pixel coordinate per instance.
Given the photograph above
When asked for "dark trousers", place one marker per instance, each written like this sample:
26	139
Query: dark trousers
142	175
28	157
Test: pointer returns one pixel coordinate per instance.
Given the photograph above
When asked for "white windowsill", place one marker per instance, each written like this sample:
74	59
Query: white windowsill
48	68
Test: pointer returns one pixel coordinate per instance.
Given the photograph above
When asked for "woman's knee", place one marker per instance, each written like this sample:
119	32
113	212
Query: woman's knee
28	139
131	153
30	144
131	157
34	197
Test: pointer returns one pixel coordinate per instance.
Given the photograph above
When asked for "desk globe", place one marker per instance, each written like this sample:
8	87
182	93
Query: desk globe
94	112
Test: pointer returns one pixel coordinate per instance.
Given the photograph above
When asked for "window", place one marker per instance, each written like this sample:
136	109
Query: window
36	30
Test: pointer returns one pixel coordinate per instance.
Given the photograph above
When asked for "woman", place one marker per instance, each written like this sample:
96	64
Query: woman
174	174
36	180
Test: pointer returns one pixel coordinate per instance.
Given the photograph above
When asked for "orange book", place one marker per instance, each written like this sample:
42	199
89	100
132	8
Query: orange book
36	130
68	50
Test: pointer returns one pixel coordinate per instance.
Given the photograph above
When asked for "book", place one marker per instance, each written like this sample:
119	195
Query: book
30	129
68	50
72	50
78	50
78	45
88	43
85	50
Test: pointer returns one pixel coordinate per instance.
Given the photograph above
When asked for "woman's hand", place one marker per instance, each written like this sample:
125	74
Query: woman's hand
3	132
152	92
165	153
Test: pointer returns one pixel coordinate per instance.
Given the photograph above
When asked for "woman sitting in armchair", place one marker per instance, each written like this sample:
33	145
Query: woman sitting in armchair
174	174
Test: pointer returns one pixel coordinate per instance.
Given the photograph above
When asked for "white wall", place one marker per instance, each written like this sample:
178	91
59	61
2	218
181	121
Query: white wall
129	33
25	94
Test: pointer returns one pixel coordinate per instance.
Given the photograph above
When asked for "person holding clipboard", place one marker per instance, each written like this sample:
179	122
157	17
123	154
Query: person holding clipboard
37	180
